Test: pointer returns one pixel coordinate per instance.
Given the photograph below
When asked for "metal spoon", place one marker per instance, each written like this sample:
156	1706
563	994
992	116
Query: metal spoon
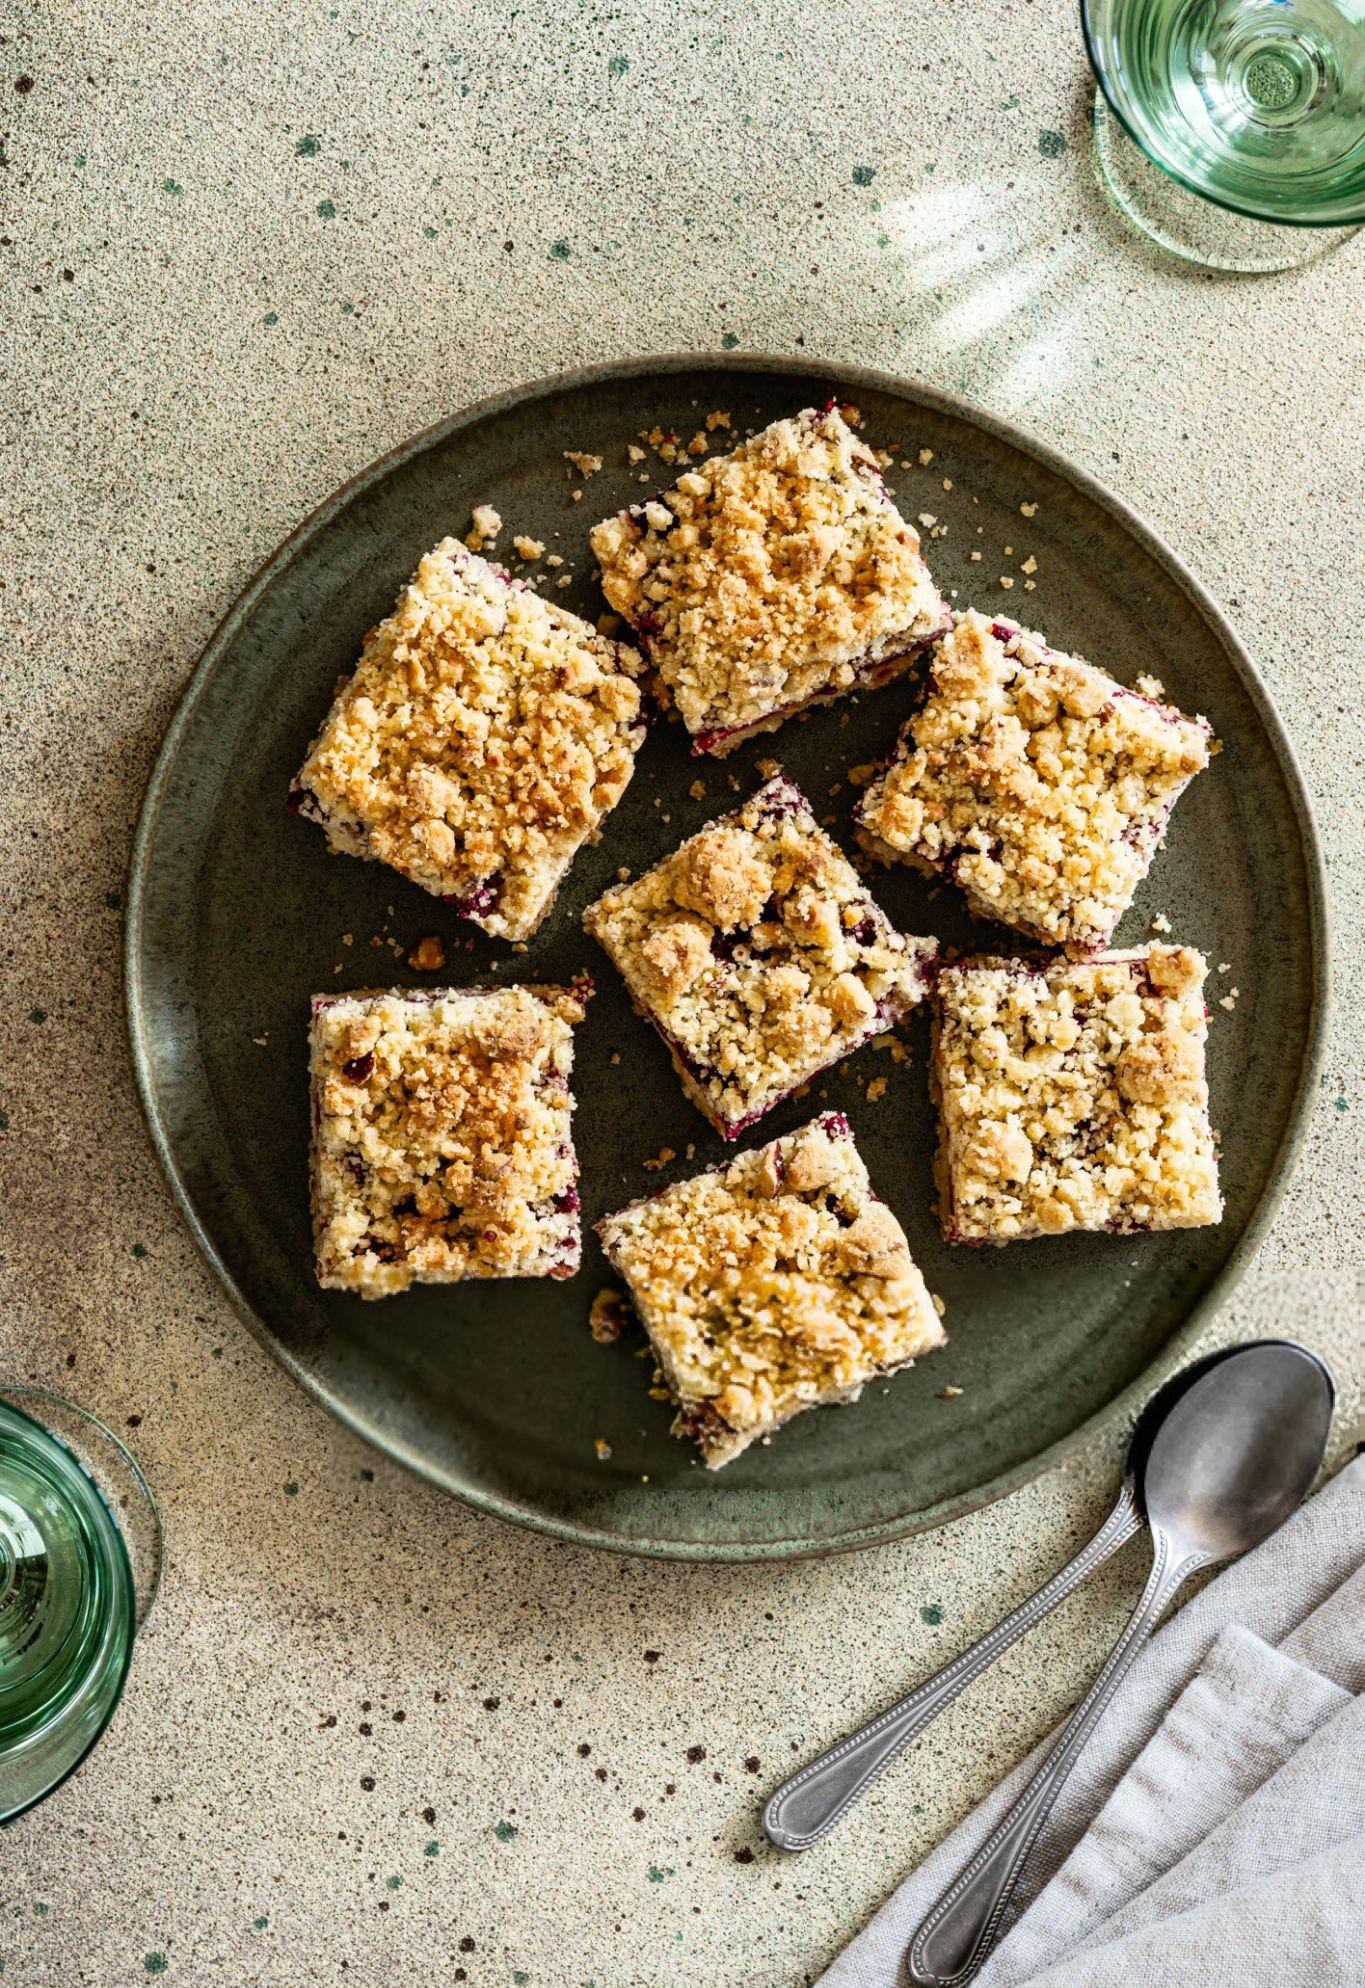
1226	1465
807	1806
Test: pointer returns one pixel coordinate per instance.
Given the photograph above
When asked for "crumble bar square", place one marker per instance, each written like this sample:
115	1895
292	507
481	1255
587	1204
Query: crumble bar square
757	954
483	737
1072	1095
770	577
774	1283
442	1146
1034	781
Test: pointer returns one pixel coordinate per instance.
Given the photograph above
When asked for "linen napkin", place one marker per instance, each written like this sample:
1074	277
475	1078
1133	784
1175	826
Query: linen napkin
1213	1830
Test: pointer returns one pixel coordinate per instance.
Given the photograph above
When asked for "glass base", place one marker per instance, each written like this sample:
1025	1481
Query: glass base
1195	229
80	1559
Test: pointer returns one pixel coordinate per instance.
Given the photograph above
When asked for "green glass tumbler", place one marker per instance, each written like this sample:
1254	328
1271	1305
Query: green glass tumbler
80	1557
1232	132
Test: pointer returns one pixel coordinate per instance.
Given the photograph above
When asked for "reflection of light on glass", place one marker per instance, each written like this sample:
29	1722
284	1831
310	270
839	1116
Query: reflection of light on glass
1000	284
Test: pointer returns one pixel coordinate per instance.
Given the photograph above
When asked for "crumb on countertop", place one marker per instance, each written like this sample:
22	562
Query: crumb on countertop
876	1090
585	464
949	1393
603	1448
665	1154
926	456
528	548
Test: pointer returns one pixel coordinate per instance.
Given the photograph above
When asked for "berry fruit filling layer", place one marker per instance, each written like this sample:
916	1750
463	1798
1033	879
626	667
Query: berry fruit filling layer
758	955
772	1284
770	577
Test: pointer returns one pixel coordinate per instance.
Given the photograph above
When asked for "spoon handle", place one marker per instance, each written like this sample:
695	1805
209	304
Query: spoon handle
807	1806
964	1925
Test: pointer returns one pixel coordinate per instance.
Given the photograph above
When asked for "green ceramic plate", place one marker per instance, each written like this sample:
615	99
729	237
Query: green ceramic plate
497	1392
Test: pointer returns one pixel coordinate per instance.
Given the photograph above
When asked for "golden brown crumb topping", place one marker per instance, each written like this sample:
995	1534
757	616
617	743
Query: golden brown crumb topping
441	1143
483	737
771	1285
1072	1096
1036	782
780	572
757	952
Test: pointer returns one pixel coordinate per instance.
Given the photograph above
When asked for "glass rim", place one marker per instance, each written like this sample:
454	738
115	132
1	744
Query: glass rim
1346	220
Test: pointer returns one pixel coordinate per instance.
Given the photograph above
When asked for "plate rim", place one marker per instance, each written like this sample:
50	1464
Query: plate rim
1123	1405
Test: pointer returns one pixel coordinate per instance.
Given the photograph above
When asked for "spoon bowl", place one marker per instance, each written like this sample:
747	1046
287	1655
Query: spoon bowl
1225	1463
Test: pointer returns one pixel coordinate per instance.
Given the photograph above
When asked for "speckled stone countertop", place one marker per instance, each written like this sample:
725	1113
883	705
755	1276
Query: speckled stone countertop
370	1737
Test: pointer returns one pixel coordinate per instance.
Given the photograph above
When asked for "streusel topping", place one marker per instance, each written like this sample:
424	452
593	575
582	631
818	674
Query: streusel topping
441	1137
771	1284
1036	782
482	738
1073	1096
769	576
759	955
